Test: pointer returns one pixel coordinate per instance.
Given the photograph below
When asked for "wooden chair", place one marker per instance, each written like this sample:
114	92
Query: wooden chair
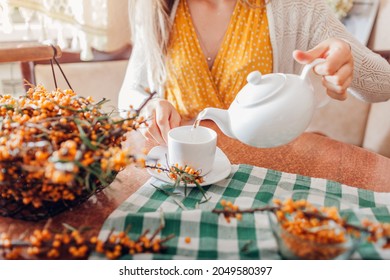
377	135
20	51
100	78
384	54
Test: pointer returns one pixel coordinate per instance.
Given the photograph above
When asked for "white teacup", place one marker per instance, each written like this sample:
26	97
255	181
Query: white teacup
194	147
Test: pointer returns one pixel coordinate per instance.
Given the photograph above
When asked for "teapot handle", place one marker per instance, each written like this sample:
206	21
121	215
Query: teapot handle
308	67
316	82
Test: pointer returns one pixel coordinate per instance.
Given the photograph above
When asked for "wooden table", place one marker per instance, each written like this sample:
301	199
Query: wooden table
311	155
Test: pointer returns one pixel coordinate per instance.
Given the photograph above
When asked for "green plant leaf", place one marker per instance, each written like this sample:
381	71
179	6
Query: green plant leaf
69	227
171	194
84	137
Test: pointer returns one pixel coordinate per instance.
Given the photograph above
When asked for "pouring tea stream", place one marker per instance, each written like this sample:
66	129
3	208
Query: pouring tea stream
271	110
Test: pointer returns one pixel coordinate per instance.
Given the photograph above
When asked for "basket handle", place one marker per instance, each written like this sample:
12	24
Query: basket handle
54	58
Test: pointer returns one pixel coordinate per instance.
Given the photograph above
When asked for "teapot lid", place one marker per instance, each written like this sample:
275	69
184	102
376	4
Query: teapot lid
260	87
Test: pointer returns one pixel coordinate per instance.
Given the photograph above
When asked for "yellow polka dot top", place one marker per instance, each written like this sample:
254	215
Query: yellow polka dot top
191	86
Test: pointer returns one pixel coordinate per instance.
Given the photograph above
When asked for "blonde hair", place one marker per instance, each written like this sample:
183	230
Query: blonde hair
150	25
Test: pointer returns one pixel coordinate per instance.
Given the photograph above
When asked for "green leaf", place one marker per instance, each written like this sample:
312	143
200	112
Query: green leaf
88	182
101	118
85	138
171	194
245	248
128	228
97	173
203	193
7	106
69	227
101	138
101	102
162	218
71	109
86	228
123	120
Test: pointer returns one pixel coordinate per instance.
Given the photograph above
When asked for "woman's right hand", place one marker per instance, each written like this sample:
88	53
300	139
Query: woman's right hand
161	116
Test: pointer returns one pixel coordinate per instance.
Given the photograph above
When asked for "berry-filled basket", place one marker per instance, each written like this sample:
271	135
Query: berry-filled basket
56	150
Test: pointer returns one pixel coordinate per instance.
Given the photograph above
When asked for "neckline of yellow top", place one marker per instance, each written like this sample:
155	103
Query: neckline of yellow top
209	59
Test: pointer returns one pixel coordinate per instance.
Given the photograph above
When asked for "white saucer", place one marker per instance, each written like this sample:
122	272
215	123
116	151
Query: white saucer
220	170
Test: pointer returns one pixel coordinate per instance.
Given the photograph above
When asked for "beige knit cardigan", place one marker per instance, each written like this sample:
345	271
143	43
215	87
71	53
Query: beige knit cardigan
294	24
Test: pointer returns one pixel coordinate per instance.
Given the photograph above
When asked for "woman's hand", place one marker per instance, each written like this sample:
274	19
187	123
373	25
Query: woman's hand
161	116
336	71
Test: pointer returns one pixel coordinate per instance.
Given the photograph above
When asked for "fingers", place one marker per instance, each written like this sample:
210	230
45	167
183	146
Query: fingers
338	83
341	76
338	96
336	71
336	58
162	120
151	132
162	117
174	119
338	92
308	57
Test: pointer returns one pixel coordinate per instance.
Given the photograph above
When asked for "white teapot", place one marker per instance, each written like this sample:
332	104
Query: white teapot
271	110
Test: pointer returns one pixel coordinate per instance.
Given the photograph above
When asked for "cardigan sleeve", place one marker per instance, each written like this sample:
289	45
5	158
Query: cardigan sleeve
371	81
132	92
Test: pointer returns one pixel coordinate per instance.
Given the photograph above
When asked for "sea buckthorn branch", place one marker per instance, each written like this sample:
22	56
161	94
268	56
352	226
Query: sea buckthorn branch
172	195
246	246
230	210
182	175
179	174
75	244
303	219
150	97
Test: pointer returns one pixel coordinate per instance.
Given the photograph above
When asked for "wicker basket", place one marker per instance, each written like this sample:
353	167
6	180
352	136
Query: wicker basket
16	208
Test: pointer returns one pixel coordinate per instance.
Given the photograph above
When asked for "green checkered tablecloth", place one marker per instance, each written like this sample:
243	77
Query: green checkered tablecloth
211	236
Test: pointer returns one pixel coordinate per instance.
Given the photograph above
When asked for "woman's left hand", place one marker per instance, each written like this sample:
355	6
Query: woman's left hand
336	71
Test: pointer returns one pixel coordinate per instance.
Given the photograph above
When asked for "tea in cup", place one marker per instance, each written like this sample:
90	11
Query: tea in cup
194	147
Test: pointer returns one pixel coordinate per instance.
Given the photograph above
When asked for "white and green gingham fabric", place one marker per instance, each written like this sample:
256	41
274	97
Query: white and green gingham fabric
251	238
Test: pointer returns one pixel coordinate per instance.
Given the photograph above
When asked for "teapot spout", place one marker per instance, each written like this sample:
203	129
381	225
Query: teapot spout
220	117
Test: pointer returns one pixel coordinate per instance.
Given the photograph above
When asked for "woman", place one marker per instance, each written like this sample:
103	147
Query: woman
197	54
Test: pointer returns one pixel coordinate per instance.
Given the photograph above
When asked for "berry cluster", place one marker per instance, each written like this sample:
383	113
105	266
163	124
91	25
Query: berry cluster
185	174
182	176
309	232
230	210
73	244
179	174
322	225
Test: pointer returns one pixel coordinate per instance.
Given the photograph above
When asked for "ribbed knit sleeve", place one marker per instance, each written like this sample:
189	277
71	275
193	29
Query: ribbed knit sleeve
304	24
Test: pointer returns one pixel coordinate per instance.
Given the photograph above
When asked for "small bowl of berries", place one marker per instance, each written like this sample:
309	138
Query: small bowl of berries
311	226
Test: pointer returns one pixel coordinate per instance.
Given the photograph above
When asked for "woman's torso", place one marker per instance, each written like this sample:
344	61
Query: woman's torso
245	47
